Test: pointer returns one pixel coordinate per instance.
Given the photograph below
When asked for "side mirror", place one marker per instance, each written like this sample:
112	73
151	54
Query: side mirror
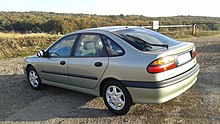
40	53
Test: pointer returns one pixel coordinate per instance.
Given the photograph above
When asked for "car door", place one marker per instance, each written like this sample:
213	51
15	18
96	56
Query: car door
89	61
53	67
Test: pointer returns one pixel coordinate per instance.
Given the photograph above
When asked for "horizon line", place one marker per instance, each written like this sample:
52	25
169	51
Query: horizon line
112	14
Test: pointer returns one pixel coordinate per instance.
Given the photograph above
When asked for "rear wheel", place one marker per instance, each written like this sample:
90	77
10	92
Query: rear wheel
116	97
34	78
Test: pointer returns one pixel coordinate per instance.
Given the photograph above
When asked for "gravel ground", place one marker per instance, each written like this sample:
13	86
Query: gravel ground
201	104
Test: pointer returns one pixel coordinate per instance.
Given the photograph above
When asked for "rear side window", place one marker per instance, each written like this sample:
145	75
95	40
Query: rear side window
113	48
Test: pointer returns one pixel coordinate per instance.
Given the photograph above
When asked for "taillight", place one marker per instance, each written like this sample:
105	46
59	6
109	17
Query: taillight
162	64
194	52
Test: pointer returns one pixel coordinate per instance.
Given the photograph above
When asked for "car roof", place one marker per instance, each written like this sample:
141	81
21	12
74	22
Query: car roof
110	28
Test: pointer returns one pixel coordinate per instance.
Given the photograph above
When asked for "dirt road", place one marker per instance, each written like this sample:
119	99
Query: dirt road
201	104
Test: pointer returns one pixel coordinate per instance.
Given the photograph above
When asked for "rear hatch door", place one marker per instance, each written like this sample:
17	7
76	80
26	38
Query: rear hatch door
184	60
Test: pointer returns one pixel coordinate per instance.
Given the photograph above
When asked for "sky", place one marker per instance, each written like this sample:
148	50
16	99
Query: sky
152	8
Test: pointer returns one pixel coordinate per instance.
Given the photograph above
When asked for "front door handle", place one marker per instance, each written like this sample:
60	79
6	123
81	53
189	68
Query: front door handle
98	64
62	62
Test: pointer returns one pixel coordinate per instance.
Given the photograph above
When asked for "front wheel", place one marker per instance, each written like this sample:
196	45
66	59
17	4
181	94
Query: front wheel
116	98
34	78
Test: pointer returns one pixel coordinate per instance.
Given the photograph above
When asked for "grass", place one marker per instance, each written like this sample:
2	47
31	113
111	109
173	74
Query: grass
19	45
188	33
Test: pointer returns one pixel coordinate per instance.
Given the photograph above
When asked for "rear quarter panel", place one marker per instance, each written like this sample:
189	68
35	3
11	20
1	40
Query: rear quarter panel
133	65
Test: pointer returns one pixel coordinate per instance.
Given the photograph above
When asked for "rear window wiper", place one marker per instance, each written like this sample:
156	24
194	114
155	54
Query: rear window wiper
161	45
136	42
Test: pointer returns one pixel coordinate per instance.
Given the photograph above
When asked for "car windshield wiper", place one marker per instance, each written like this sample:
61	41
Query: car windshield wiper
161	45
140	42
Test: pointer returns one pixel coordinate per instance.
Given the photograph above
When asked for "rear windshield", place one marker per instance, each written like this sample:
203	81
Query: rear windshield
144	39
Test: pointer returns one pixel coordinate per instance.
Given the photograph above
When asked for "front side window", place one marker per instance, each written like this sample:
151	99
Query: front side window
90	45
63	47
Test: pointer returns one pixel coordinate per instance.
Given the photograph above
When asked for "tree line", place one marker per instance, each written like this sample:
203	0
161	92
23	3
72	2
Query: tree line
49	22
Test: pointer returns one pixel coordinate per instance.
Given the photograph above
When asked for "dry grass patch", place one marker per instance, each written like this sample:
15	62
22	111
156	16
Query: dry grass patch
14	45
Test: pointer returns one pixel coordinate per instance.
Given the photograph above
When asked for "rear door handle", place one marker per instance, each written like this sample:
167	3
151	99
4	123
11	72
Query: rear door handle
62	62
98	64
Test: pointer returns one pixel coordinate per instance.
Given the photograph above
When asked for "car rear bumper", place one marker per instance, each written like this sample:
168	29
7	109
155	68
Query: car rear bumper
159	92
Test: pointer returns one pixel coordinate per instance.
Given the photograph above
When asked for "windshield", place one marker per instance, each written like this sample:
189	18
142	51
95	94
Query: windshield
144	39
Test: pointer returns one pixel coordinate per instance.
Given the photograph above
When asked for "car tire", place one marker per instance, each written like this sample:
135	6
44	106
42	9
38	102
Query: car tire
34	78
116	97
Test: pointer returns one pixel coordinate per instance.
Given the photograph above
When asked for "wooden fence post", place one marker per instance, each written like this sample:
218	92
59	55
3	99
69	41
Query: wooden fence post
193	29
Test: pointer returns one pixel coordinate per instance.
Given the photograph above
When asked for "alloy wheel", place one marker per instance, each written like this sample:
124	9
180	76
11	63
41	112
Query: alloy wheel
115	97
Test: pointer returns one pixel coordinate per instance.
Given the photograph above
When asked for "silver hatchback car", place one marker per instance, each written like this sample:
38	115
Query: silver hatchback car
124	65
